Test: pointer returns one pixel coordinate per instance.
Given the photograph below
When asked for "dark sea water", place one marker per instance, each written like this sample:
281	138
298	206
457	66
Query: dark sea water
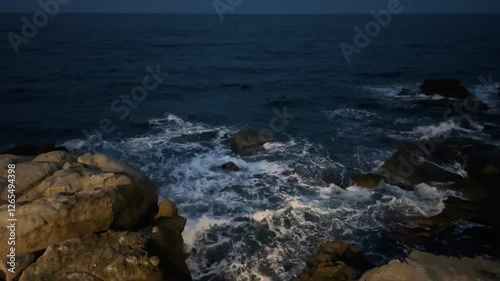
219	77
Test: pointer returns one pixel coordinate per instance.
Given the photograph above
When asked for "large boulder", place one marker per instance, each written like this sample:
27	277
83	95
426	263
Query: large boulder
109	164
58	156
335	261
22	261
367	180
248	142
74	178
111	256
440	160
67	215
230	166
420	266
465	166
28	175
329	176
63	207
449	88
167	212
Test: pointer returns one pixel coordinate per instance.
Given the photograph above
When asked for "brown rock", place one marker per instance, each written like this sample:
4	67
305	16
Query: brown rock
22	262
75	178
55	157
230	166
60	217
335	261
28	175
248	142
109	164
420	266
166	209
111	256
367	180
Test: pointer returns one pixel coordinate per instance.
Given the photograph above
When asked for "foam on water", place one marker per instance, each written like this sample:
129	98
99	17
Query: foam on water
262	222
442	129
357	114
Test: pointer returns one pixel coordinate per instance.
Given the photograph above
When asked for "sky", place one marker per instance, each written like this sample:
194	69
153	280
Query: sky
257	6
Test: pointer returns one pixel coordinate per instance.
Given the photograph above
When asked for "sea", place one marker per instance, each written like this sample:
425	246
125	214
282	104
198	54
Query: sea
165	93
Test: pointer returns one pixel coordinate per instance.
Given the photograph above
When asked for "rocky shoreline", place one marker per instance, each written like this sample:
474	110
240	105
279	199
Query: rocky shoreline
88	218
94	217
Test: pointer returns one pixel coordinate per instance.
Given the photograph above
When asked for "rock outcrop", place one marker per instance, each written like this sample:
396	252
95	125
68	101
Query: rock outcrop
465	166
89	218
367	180
421	266
448	88
335	261
248	142
230	166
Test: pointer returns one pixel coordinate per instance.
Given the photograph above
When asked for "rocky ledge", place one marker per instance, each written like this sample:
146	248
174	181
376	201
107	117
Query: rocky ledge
339	261
91	217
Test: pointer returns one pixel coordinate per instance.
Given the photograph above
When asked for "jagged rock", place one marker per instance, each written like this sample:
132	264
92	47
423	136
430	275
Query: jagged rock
64	216
335	261
29	175
62	206
168	213
167	209
450	88
33	150
434	159
420	266
444	87
21	263
367	180
6	159
248	142
420	231
230	166
55	157
109	164
74	178
330	177
111	256
171	246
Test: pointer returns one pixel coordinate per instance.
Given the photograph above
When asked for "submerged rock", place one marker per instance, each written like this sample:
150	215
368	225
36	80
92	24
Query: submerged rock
248	142
335	261
367	180
330	177
230	166
439	160
406	92
421	266
448	88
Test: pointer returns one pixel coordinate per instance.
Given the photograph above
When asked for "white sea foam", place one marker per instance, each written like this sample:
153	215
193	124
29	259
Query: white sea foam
442	129
257	223
357	114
